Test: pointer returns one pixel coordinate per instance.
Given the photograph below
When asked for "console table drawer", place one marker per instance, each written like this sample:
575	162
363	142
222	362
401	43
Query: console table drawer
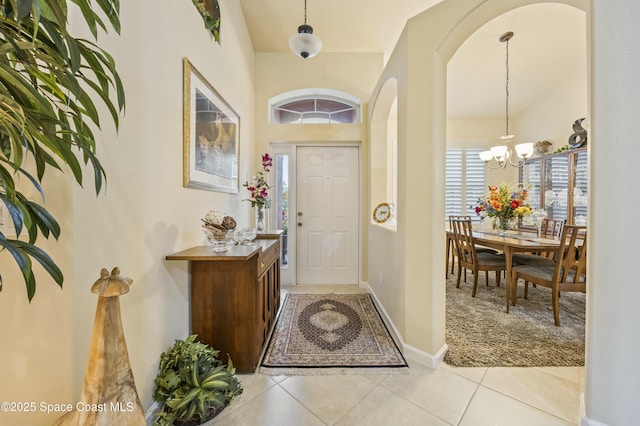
267	258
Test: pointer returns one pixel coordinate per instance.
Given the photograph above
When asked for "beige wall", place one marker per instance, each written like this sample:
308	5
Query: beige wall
552	117
36	360
144	214
613	339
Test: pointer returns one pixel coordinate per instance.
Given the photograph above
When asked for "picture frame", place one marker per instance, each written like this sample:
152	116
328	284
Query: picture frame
211	136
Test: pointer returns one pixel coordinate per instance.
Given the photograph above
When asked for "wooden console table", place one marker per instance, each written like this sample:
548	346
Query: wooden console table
235	296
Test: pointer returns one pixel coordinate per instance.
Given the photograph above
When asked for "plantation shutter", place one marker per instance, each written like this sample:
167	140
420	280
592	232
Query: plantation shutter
557	187
453	185
465	181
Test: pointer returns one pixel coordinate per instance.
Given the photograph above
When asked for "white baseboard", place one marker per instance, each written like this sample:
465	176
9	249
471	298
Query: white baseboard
417	355
150	415
425	358
586	421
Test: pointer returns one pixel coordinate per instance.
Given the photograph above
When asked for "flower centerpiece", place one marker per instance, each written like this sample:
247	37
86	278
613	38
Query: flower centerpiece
258	189
504	203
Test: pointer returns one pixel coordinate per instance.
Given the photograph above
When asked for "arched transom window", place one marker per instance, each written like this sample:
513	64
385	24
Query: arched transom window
314	106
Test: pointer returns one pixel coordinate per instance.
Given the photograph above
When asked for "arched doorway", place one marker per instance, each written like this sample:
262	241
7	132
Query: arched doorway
416	258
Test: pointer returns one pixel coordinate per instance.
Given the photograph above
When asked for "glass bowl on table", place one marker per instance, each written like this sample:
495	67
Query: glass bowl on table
250	236
239	236
217	238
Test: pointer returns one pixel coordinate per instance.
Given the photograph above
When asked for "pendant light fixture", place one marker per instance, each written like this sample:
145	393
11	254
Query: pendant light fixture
503	154
304	43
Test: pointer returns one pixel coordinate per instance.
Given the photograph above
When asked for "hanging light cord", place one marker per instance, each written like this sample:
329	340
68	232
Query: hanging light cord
506	90
305	12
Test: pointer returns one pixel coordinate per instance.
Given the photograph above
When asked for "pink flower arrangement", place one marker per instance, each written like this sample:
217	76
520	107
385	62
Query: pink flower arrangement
259	186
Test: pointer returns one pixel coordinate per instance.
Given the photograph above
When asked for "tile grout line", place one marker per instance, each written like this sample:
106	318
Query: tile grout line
527	404
300	402
466	408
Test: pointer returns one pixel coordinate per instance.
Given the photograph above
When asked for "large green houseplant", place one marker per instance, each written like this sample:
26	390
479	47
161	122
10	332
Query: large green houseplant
193	383
49	85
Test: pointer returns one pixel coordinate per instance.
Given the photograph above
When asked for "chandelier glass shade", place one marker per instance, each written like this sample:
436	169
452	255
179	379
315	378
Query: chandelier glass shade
503	154
304	43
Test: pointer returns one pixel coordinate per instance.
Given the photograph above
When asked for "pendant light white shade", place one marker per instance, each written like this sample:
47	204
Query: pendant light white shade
304	43
503	154
499	151
486	155
524	150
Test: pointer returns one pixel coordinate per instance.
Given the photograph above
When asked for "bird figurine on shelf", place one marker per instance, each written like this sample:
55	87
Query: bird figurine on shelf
579	137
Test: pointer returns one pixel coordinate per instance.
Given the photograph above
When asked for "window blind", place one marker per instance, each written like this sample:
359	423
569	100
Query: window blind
464	181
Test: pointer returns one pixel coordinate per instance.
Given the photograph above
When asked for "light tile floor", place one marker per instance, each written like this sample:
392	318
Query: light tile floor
444	396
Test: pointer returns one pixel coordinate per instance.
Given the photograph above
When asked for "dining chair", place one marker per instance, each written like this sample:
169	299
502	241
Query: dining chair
452	251
469	258
550	228
567	272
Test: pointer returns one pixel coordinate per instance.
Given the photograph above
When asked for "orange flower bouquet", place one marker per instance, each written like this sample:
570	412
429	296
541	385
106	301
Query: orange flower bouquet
505	204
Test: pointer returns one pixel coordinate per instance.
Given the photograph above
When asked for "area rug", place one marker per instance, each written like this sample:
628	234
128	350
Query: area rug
479	332
331	334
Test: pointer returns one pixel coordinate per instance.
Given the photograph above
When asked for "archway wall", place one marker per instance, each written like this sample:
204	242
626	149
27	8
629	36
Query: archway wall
419	62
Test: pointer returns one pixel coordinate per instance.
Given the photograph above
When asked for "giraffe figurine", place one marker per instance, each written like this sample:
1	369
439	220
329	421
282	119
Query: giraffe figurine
109	395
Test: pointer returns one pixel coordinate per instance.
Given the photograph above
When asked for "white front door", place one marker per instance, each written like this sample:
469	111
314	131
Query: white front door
327	189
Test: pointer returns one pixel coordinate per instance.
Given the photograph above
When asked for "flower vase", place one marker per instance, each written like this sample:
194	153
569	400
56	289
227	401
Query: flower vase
259	210
504	224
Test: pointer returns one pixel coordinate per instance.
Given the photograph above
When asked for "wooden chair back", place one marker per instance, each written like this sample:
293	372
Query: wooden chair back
463	237
571	269
452	218
551	227
452	247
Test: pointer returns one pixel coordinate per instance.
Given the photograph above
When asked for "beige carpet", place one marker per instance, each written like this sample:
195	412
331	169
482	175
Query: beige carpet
480	333
331	334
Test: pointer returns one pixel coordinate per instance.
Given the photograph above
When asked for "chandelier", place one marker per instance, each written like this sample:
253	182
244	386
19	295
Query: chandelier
503	154
304	43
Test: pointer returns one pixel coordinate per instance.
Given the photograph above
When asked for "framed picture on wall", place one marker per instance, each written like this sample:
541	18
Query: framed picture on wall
211	136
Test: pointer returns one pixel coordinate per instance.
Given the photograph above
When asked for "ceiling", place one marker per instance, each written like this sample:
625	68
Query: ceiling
548	47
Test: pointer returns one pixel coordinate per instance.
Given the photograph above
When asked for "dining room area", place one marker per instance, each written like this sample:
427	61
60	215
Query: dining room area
516	193
512	287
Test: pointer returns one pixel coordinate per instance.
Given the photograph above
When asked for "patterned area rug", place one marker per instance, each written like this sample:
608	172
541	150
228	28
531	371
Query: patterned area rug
480	333
331	334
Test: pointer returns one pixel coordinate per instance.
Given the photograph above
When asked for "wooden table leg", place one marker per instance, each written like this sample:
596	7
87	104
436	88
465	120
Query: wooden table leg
446	269
508	255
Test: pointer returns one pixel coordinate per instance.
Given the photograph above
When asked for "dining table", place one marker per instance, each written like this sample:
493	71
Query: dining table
510	242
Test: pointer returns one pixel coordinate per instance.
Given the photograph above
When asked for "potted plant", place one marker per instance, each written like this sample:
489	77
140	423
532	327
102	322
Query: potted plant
193	383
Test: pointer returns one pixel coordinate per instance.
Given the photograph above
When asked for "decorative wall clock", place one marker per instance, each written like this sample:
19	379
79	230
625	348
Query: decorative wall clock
382	213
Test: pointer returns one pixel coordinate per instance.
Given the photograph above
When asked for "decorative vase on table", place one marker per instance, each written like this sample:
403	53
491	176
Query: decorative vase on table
259	192
505	204
504	224
260	222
